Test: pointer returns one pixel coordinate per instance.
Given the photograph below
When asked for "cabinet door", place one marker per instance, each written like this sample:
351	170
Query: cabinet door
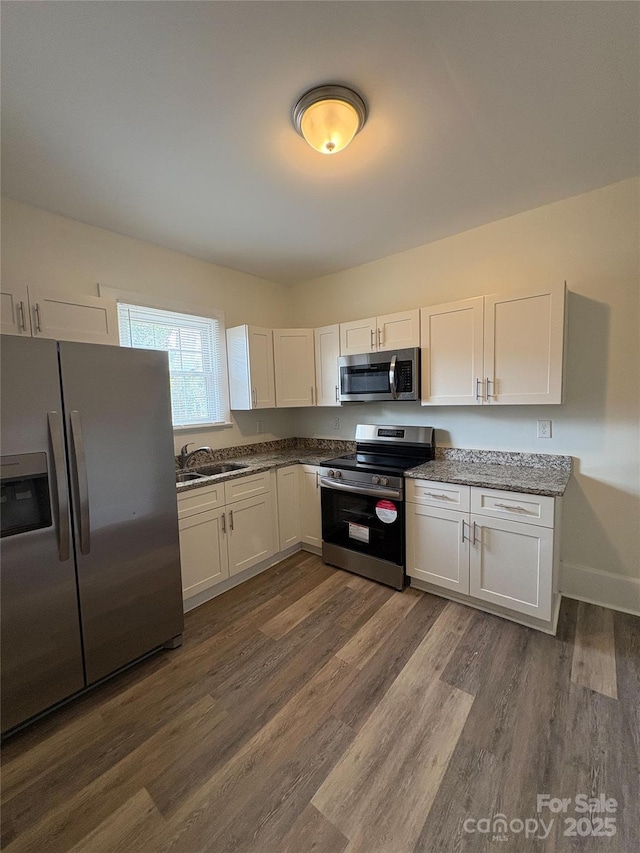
72	317
203	551
451	340
438	546
511	565
327	342
398	331
262	382
311	531
358	336
295	368
288	506
251	534
14	311
523	346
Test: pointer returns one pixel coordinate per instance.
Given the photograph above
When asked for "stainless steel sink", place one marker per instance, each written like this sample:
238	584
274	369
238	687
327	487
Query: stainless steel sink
223	468
189	476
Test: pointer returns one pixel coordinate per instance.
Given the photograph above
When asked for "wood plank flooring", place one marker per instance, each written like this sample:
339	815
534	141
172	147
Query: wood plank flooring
312	711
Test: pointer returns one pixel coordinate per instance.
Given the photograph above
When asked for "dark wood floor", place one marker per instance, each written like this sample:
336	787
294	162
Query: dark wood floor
311	710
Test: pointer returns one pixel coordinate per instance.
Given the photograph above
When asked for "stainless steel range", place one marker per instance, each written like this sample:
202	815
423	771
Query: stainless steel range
363	501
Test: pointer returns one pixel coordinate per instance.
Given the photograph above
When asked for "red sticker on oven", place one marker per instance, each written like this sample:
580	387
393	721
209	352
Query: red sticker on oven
386	511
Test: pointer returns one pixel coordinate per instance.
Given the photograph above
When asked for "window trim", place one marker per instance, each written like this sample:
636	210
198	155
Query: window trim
144	301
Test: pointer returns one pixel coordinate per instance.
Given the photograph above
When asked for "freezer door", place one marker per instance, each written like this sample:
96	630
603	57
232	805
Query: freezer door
120	444
41	647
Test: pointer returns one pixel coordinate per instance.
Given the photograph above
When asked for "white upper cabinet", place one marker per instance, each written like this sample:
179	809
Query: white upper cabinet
327	343
71	317
251	373
14	311
503	349
452	342
295	367
375	334
523	345
358	336
60	315
398	331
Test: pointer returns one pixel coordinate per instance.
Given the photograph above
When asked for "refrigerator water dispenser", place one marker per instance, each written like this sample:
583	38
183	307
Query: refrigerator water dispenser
24	493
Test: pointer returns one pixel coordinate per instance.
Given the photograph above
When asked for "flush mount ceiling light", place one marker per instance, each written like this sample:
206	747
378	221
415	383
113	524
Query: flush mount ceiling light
328	117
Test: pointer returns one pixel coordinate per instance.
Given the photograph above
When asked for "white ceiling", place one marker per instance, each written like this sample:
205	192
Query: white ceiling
170	121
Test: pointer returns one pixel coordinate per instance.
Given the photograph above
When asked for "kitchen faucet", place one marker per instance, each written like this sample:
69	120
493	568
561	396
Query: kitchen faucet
186	456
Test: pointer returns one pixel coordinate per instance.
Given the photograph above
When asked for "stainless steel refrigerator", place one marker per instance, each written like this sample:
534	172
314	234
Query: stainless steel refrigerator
90	570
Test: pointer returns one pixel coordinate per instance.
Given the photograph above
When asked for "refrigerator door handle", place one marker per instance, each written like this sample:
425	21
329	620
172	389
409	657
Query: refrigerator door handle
81	482
59	469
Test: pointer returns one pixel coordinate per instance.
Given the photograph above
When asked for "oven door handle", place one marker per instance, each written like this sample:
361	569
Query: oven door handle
361	490
392	377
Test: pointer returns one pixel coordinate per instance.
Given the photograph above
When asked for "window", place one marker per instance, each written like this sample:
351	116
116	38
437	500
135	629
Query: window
197	359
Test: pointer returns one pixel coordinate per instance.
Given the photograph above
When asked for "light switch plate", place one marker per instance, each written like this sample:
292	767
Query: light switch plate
336	423
259	427
544	429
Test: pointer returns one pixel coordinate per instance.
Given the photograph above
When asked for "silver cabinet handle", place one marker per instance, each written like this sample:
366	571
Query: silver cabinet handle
478	390
312	395
439	497
463	536
23	318
476	538
379	337
392	377
337	395
513	507
231	519
491	381
254	398
224	522
317	479
81	481
373	341
36	312
59	469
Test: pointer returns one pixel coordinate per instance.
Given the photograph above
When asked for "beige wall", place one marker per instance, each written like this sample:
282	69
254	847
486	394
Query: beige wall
52	251
592	242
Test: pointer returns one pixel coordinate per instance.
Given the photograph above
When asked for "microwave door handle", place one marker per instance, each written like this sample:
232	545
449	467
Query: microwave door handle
392	378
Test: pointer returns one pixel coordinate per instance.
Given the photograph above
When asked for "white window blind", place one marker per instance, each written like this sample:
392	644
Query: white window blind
197	359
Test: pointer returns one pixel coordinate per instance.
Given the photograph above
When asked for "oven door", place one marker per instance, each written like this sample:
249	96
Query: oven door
367	521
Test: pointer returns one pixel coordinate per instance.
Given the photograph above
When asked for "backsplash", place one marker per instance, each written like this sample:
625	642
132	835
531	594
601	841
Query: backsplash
265	447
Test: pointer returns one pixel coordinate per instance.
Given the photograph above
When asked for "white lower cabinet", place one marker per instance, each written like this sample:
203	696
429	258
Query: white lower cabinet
483	558
437	547
310	508
251	534
287	481
203	551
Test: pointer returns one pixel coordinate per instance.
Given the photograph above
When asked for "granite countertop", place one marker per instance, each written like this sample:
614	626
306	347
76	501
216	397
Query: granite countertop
530	473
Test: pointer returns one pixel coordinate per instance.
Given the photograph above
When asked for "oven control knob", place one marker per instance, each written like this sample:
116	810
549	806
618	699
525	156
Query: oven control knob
331	473
338	475
375	480
384	481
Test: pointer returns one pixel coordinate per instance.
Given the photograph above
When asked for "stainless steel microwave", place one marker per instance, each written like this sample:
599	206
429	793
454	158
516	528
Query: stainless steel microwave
372	376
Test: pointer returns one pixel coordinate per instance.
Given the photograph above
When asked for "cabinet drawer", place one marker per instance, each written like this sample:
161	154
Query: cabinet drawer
247	487
529	509
200	500
430	493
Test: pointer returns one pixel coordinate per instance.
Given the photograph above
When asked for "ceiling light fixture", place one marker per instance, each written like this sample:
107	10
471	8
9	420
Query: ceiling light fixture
328	117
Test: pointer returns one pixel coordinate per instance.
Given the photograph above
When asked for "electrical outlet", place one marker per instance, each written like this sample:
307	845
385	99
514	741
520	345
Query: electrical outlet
336	423
259	426
544	429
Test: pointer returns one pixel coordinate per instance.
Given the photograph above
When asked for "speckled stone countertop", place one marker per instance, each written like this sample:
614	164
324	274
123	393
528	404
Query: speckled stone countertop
530	473
273	455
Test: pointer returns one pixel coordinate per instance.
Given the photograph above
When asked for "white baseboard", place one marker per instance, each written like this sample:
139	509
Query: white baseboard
618	592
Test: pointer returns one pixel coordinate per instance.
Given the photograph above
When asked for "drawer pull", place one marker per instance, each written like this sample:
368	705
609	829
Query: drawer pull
515	507
439	497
